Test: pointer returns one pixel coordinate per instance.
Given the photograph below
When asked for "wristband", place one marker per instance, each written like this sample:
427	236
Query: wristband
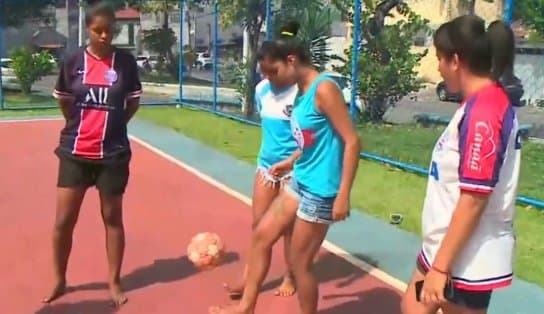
440	271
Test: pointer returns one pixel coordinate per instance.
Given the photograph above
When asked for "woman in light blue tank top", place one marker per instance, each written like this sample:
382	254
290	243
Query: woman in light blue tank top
324	167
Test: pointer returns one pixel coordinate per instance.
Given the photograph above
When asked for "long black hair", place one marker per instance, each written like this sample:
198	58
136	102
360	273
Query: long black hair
485	52
285	44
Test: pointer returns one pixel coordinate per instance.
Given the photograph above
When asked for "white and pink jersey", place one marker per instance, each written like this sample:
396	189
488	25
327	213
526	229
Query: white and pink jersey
479	151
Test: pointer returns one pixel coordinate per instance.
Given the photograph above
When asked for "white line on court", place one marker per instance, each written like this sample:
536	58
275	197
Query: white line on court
336	250
40	119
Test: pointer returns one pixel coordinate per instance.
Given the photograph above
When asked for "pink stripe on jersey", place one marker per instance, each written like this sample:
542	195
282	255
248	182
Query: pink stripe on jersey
470	285
97	70
484	133
91	133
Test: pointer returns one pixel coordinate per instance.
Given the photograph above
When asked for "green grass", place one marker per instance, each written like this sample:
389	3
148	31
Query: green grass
412	144
378	190
29	113
17	99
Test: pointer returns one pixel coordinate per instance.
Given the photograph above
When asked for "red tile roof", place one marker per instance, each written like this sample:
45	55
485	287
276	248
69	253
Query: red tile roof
127	13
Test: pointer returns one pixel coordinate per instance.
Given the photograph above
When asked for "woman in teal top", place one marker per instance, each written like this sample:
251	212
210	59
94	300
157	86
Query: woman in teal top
324	168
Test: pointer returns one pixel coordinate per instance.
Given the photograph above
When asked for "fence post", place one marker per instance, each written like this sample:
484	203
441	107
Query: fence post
268	19
508	8
356	24
215	50
181	69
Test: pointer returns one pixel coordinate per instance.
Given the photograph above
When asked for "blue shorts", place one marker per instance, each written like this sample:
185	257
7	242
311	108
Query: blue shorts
311	208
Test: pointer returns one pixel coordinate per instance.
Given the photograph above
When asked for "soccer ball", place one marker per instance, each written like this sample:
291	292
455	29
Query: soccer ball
206	250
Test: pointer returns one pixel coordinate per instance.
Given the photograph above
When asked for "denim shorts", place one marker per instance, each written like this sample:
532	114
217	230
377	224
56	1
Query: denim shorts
311	208
268	179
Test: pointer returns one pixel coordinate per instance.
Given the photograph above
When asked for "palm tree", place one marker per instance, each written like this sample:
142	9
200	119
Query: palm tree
315	19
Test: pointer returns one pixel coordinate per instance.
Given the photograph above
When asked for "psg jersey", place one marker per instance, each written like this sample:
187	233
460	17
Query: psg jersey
96	126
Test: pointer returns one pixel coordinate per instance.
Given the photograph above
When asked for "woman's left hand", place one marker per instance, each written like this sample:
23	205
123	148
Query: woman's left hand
433	287
340	208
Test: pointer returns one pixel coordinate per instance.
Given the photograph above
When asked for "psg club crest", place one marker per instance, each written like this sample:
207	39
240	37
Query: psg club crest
111	76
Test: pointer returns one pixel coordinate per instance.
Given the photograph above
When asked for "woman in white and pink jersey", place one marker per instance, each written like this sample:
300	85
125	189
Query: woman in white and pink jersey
468	213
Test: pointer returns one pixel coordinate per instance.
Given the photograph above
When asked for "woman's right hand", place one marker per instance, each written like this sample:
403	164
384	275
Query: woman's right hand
281	168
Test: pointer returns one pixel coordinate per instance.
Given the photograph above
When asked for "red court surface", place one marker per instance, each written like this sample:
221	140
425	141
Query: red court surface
165	206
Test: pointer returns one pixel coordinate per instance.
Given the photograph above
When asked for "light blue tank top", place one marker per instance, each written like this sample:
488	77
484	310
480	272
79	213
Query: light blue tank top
275	106
319	168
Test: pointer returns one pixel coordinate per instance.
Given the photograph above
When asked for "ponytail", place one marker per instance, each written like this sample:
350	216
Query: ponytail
502	44
286	43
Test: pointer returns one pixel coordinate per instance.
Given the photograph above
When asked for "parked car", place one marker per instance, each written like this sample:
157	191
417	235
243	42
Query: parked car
446	95
345	84
203	60
7	70
143	64
512	85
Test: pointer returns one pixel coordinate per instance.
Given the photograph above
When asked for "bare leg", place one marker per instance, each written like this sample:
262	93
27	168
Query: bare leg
112	215
269	230
287	287
307	239
68	205
409	304
264	193
450	308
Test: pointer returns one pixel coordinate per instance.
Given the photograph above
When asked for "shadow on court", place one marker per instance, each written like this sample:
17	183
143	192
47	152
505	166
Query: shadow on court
82	307
374	301
330	267
161	271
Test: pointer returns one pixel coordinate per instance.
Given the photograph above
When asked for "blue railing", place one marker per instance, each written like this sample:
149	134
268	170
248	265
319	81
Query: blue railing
522	200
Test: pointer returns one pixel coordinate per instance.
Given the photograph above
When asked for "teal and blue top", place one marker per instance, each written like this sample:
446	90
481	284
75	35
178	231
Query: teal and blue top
274	106
319	168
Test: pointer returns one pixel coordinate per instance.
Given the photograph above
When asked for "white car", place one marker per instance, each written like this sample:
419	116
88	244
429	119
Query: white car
7	70
203	60
345	84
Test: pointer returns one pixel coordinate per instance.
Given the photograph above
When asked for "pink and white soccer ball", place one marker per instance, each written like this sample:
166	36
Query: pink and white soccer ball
206	250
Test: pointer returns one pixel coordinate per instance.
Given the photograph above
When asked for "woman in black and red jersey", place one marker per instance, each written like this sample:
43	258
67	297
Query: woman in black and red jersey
98	90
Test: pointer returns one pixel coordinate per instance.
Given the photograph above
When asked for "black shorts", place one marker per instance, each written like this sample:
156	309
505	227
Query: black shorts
474	300
109	178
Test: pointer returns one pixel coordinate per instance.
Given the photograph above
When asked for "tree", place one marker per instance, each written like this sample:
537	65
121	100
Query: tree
315	19
386	62
29	67
251	15
531	12
16	12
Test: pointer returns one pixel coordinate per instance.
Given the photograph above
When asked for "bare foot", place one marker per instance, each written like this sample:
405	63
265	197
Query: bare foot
118	298
287	287
229	309
235	292
58	291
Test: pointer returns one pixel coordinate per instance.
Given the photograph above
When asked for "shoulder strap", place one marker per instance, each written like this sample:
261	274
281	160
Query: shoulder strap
322	77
